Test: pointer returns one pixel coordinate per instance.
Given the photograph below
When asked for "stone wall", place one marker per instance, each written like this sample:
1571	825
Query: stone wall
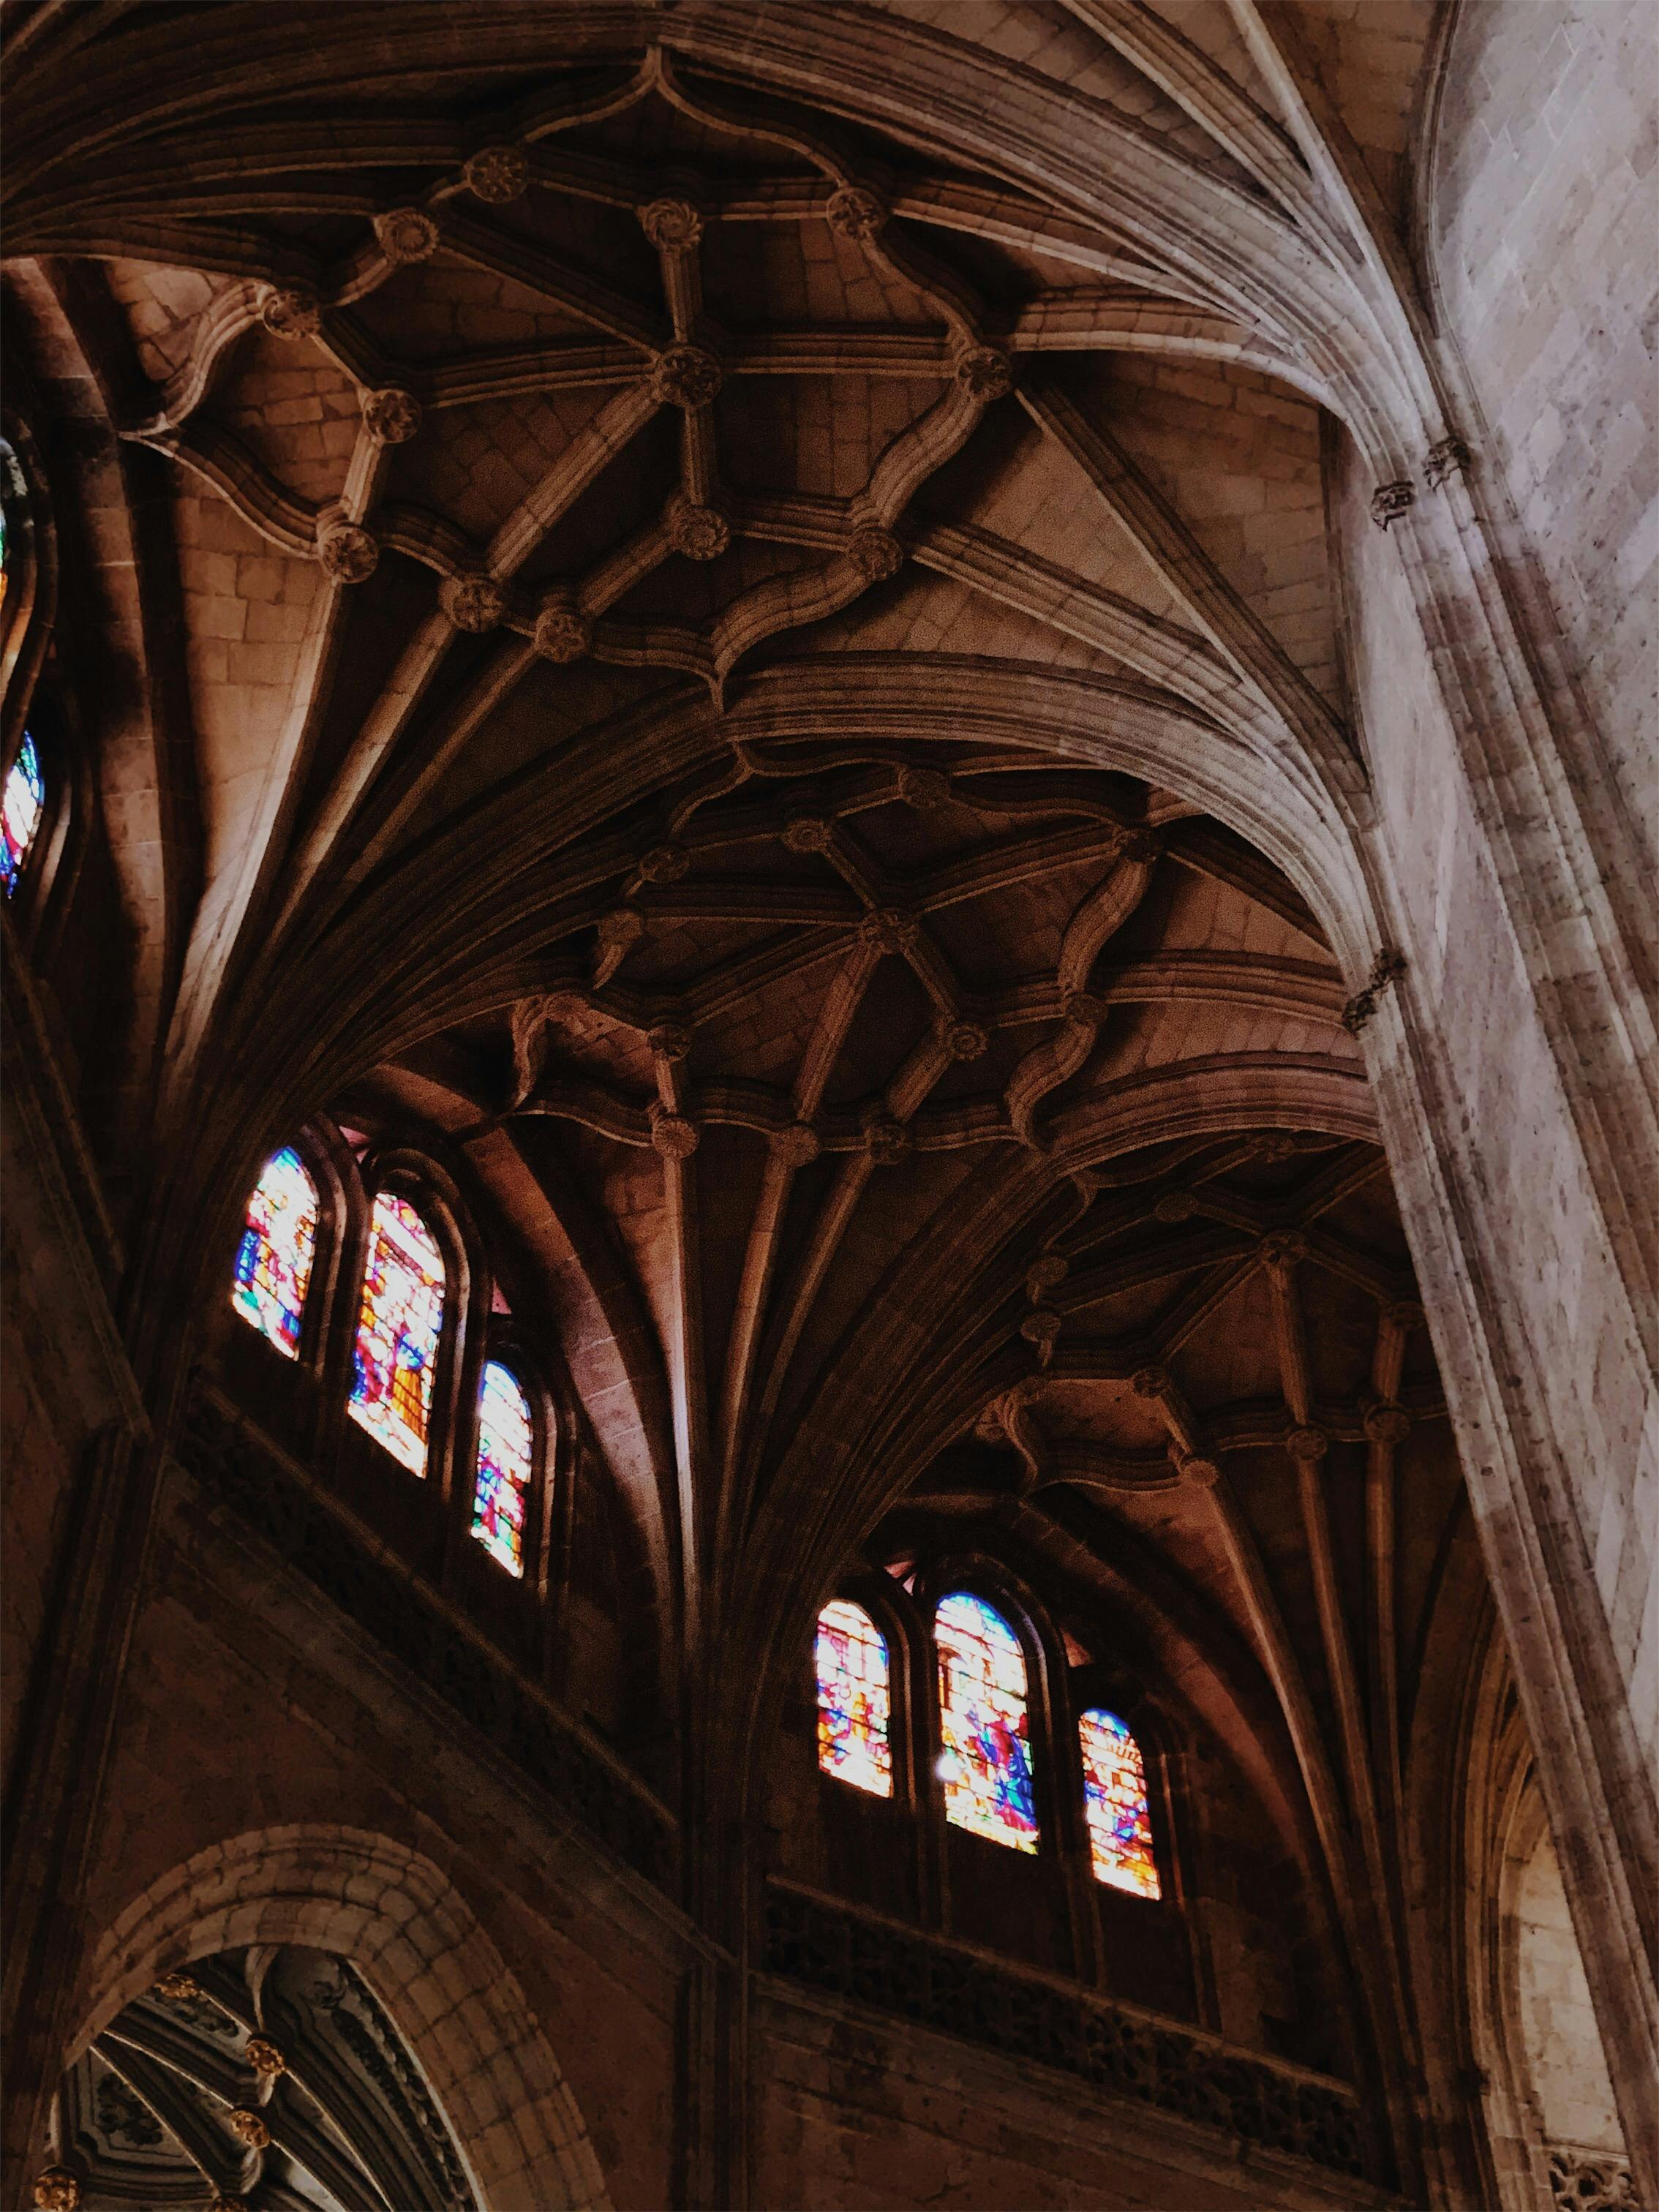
1540	225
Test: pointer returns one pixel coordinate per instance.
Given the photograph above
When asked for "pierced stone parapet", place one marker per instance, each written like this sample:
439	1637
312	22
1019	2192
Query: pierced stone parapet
1591	2181
926	1981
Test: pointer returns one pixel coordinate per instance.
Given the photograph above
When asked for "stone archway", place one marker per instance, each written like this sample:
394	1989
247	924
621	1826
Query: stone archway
416	1942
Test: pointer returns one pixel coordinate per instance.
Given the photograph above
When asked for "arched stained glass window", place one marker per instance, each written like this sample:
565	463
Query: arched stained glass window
502	1488
987	1762
24	804
854	1699
1114	1801
273	1261
398	1325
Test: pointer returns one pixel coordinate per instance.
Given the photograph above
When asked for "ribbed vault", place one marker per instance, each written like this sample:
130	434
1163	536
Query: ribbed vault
730	624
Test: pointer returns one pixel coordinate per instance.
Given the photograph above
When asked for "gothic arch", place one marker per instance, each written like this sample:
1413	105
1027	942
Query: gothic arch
416	1942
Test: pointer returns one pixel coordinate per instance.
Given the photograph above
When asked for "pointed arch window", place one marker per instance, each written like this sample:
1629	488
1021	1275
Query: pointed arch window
500	1489
23	805
985	1764
854	1699
1116	1805
279	1242
395	1354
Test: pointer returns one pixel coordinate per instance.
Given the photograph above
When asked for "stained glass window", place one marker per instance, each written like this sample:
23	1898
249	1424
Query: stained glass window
855	1701
1114	1801
24	803
397	1326
273	1261
987	1762
504	1461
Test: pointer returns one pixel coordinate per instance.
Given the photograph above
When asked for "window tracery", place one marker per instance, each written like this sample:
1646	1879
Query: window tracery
501	1488
24	808
854	1699
986	1764
279	1242
1116	1805
398	1324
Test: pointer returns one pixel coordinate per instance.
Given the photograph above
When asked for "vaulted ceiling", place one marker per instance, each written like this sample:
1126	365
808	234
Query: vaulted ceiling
720	609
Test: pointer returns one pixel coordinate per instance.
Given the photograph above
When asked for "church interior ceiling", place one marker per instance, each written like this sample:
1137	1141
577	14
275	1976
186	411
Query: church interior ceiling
709	664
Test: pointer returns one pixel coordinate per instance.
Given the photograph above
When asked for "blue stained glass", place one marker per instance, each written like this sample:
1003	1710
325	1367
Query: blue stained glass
23	805
987	1763
502	1488
273	1261
1114	1802
855	1701
397	1327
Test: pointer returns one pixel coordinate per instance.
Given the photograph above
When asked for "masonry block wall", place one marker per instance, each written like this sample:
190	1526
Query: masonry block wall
1540	225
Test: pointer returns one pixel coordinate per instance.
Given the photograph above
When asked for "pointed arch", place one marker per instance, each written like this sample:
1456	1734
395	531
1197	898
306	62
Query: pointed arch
1116	1805
420	1947
274	1258
400	1320
984	1722
504	1466
855	1699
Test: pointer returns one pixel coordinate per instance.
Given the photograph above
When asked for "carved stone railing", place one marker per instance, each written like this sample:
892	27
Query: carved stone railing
1115	2048
1591	2180
383	1597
